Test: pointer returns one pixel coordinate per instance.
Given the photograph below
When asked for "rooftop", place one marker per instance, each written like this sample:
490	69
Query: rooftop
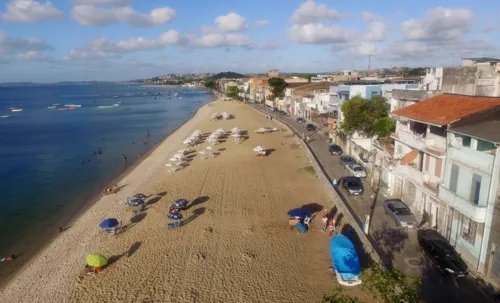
446	108
486	130
483	59
314	85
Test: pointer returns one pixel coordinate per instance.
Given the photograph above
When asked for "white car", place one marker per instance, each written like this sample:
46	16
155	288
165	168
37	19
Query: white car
356	170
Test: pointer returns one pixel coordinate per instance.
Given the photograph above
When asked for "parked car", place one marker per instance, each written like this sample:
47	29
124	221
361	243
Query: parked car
334	149
400	212
346	160
443	256
300	120
311	127
282	112
356	170
353	185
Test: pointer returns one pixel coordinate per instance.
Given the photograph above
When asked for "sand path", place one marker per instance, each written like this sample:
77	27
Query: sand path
236	247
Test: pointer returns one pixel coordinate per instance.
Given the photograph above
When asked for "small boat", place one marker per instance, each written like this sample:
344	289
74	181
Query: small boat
11	108
116	104
115	96
51	107
17	110
4	116
105	106
72	105
56	104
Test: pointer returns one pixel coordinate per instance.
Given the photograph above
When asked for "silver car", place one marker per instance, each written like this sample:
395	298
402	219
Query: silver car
356	170
400	212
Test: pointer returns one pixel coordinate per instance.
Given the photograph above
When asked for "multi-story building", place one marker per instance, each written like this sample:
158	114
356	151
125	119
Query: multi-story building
360	90
476	77
421	148
469	191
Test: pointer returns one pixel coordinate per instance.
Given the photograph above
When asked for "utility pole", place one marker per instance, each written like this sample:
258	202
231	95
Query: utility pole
369	61
453	59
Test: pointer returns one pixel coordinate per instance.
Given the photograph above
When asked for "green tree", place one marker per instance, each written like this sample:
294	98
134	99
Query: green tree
232	92
278	87
210	83
363	115
392	286
383	127
338	296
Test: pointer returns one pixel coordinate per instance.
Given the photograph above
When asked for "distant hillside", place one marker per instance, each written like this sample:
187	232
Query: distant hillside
228	75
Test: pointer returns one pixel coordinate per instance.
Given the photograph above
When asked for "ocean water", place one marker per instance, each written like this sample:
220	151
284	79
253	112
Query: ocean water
48	169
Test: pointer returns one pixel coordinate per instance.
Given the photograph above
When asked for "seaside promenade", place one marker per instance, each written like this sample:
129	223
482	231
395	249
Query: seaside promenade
236	245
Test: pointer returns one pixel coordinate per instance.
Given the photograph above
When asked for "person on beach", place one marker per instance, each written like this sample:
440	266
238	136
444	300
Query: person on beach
124	158
60	229
325	212
139	155
324	223
331	226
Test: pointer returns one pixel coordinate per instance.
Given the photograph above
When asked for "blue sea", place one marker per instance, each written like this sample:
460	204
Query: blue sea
48	169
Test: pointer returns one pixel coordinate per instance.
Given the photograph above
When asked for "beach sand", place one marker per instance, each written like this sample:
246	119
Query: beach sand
235	247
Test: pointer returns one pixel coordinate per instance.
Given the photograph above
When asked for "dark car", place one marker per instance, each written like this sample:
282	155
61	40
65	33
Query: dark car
353	185
334	149
300	120
311	127
400	212
346	160
443	256
282	112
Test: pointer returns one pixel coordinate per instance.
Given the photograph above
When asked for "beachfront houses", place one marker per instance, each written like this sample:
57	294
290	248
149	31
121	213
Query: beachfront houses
470	190
421	150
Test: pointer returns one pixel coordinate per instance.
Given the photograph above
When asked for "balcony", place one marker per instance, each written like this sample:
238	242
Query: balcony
471	210
430	143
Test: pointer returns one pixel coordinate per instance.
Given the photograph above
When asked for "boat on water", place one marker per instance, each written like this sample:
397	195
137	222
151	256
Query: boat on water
116	104
56	104
17	110
105	106
51	107
73	105
115	96
4	116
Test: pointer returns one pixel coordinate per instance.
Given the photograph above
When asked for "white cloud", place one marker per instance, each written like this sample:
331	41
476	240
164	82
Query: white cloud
262	23
93	16
33	56
316	33
369	16
366	48
30	11
102	48
10	45
376	31
221	40
102	2
310	12
441	24
231	22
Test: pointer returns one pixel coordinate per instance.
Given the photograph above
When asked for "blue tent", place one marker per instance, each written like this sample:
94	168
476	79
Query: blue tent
344	257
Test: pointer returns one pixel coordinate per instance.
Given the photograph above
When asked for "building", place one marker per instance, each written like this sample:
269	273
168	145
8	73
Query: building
400	98
470	191
363	91
273	74
294	80
257	90
421	149
476	77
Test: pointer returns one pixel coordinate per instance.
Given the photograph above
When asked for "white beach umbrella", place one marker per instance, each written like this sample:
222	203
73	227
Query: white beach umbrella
258	149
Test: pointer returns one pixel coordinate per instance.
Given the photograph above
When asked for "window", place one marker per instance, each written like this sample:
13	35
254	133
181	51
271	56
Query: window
454	177
475	188
440	131
465	140
484	145
469	230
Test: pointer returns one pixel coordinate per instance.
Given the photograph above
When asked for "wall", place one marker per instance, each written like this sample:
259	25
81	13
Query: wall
459	80
488	81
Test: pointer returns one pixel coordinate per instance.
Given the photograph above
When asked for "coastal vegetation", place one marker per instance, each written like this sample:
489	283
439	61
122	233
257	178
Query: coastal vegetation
368	117
278	87
227	75
391	286
210	83
232	92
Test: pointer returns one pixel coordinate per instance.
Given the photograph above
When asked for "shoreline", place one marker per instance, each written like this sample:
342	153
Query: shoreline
94	198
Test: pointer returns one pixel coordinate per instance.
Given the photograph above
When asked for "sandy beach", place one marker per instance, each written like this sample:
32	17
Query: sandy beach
235	247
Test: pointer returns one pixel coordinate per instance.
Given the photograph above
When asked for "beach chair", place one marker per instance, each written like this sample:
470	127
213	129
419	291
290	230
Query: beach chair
108	231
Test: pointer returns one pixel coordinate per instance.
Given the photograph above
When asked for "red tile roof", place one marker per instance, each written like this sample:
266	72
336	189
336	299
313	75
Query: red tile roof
446	108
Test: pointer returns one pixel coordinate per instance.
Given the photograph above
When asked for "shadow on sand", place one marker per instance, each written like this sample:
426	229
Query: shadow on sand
198	201
138	218
196	213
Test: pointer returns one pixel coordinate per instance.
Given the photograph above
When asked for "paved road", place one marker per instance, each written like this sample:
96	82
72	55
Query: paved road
396	246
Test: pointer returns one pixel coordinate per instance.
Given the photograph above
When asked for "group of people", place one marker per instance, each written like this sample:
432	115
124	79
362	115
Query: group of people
327	222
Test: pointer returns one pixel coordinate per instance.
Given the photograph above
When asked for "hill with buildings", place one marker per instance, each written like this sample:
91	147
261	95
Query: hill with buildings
227	75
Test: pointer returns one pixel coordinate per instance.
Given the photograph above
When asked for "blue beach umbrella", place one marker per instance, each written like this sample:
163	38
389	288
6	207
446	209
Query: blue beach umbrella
109	223
299	213
181	203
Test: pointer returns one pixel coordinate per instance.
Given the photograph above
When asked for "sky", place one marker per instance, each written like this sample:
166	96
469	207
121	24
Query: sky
113	40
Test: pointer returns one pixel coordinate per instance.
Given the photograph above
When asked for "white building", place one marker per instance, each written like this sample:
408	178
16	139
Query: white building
363	91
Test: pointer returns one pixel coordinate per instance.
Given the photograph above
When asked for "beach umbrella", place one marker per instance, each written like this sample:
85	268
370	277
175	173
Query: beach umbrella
109	223
258	149
96	260
180	203
299	213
